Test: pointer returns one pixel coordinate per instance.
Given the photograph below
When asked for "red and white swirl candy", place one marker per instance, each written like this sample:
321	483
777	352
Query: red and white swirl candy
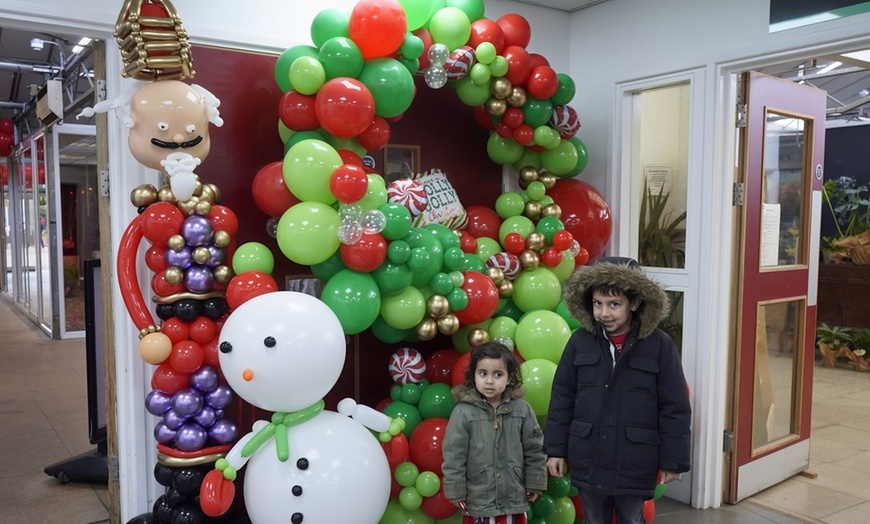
459	62
507	262
407	366
408	193
565	120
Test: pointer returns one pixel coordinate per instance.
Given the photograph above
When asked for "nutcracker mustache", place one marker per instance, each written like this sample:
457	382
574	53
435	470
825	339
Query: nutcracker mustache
175	145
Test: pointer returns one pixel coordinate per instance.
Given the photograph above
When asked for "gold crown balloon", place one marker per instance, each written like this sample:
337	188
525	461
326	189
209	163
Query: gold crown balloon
154	44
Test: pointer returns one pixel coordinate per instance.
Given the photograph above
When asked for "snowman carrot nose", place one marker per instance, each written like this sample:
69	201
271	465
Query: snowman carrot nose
248	375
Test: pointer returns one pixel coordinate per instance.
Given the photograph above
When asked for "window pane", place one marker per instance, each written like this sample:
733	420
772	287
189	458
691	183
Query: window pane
659	174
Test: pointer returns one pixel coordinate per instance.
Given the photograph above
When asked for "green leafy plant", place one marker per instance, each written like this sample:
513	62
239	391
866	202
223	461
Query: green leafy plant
661	239
832	335
861	342
848	204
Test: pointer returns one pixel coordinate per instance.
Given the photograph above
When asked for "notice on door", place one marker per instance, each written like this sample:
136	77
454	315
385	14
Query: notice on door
770	234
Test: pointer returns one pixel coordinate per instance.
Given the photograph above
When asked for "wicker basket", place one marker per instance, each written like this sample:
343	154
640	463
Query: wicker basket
860	255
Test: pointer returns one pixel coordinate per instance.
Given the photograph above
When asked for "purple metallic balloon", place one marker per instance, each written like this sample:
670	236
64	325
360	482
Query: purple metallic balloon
206	417
158	402
187	402
204	379
218	254
220	397
197	230
180	259
173	420
190	437
198	279
223	432
162	434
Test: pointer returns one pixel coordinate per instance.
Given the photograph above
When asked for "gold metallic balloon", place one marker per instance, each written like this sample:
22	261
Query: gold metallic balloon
548	179
505	289
165	194
517	98
197	189
477	337
203	207
427	329
216	192
532	211
448	324
501	88
437	306
495	106
552	210
201	254
529	174
536	241
522	183
529	259
144	195
175	242
221	239
207	194
222	274
496	274
188	207
173	275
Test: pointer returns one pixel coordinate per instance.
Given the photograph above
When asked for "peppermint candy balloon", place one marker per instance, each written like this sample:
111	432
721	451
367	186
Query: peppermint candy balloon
407	366
459	62
565	120
408	193
507	262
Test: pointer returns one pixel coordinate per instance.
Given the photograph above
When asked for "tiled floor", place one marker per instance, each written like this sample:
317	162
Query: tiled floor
43	420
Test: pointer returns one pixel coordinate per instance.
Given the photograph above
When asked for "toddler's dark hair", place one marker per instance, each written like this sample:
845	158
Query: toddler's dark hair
494	350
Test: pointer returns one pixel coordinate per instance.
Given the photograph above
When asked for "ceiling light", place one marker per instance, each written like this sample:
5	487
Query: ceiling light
828	68
864	93
37	44
81	45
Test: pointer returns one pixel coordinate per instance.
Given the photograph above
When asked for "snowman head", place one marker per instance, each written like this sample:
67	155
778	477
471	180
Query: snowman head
282	351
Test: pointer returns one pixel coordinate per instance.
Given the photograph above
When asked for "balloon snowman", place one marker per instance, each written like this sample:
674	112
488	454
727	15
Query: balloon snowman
283	352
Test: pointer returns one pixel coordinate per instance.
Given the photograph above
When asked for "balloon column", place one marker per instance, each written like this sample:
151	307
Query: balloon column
190	239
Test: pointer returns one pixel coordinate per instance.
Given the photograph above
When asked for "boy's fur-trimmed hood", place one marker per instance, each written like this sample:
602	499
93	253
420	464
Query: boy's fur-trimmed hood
463	393
578	297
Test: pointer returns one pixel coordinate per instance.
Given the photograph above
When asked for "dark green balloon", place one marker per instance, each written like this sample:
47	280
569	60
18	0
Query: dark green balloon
387	333
436	401
392	278
536	112
398	220
391	86
509	309
565	92
409	413
354	298
341	57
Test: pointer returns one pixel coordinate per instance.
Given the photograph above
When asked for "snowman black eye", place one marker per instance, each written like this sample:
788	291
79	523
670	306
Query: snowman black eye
226	347
269	342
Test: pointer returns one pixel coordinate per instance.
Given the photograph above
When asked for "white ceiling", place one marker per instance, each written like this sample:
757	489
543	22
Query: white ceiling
563	5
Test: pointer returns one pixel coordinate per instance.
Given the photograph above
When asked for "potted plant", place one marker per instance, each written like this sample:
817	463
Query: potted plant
832	343
661	235
849	205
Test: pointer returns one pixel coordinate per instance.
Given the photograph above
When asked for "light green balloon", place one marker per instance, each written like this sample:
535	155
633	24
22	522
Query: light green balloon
284	132
564	511
509	204
450	26
307	75
472	94
542	334
529	158
565	268
406	474
499	66
282	66
485	52
253	256
410	498
307	233
480	74
308	166
515	224
545	135
538	376
404	310
473	9
560	160
537	289
417	12
503	150
376	194
487	247
428	483
503	327
354	298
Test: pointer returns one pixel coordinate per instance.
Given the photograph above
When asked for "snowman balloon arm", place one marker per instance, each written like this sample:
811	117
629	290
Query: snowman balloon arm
368	417
217	491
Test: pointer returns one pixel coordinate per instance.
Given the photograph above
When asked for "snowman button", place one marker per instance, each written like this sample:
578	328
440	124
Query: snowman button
269	342
297	490
296	518
302	463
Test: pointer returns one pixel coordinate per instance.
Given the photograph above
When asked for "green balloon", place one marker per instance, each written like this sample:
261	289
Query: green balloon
473	9
398	220
508	308
503	327
410	414
560	160
299	136
441	283
565	92
454	259
327	24
499	66
659	491
307	233
432	246
558	487
308	166
536	112
253	256
542	334
549	226
405	309
354	298
387	333
398	252
284	132
341	57
307	75
282	66
537	289
417	12
458	299
473	263
392	278
436	401
406	474
472	94
412	47
536	190
503	150
545	135
565	268
410	393
582	157
485	53
450	26
529	158
509	204
351	144
428	483
515	224
410	498
391	85
444	234
564	511
376	193
394	513
538	376
329	267
487	247
562	311
543	505
480	74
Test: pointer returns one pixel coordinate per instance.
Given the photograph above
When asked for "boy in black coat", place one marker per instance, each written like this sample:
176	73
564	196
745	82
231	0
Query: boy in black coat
619	408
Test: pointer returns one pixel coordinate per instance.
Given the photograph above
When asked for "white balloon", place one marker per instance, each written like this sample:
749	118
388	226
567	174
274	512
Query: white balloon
349	231
435	76
373	221
438	54
351	211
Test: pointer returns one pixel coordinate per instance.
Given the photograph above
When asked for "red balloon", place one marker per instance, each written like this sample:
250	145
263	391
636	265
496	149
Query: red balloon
377	27
483	117
376	135
437	506
552	257
160	221
168	380
439	366
396	450
155	258
6	151
348	183
176	329
366	255
562	240
582	257
424	35
349	157
186	356
482	222
516	29
344	107
543	82
524	134
519	357
514	243
485	30
482	298
538	60
519	65
585	214
467	243
513	117
649	510
248	285
458	374
223	219
296	111
384	402
504	130
6	141
202	330
163	288
270	190
425	444
210	355
7	126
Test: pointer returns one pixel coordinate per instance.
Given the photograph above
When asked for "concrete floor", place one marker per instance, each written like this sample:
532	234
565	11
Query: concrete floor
43	420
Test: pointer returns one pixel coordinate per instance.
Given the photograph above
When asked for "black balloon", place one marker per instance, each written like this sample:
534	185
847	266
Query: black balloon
187	310
163	474
162	512
188	513
214	308
165	311
174	498
187	480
